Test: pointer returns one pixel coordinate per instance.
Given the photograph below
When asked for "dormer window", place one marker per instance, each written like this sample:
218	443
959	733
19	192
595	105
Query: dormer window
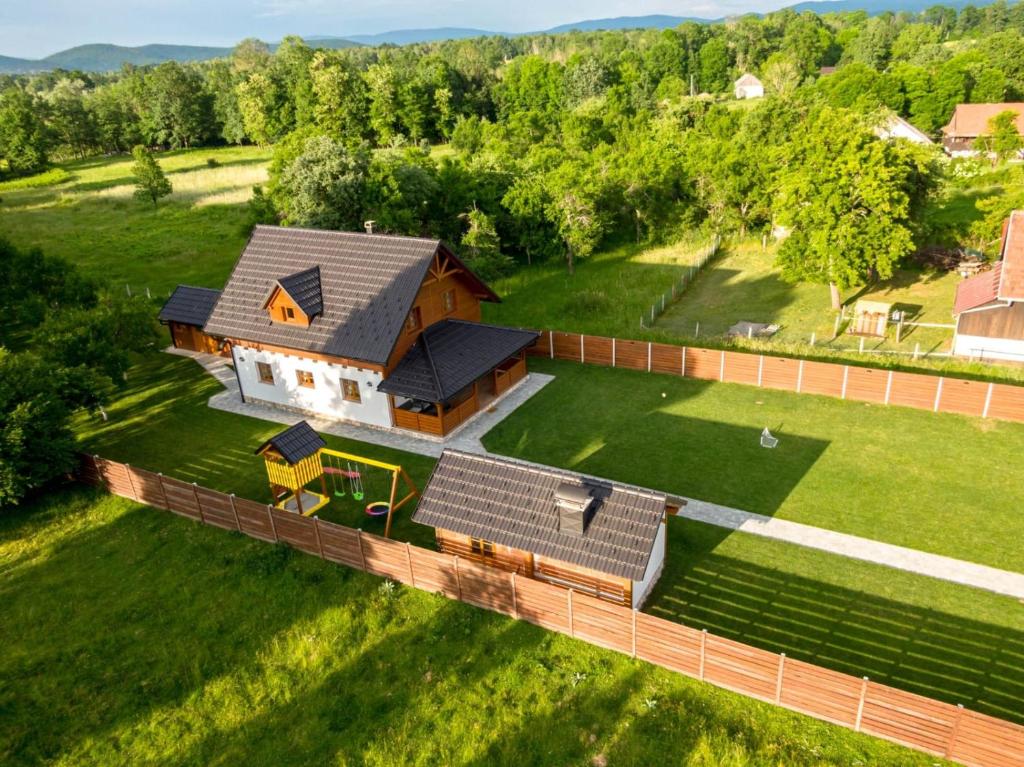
296	299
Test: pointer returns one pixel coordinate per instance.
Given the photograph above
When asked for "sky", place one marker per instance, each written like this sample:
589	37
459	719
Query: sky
37	28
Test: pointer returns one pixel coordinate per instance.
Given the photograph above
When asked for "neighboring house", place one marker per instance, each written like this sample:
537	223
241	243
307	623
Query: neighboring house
376	329
600	538
748	87
989	307
185	314
896	127
969	121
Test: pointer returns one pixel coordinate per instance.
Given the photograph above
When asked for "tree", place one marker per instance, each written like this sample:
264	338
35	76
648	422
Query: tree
1003	139
850	199
24	139
781	75
481	246
150	182
341	108
177	110
325	186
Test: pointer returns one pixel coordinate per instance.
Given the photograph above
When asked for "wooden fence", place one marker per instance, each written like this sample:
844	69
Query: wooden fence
945	730
939	394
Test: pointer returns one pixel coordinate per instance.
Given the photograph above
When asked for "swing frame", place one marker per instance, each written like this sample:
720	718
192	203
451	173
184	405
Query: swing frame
397	473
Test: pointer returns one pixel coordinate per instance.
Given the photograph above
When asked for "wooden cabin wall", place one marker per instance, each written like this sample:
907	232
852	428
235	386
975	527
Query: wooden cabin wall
1005	322
505	558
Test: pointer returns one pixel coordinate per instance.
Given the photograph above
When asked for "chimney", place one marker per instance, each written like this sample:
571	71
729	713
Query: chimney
572	502
368	226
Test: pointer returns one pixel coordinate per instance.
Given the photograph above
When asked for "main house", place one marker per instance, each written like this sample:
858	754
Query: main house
601	538
989	307
969	121
376	329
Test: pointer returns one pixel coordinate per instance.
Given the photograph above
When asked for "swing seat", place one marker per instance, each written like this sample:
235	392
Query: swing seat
378	508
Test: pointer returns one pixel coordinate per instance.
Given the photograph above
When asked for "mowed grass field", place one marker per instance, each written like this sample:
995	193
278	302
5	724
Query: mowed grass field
131	636
942	640
193	236
947	484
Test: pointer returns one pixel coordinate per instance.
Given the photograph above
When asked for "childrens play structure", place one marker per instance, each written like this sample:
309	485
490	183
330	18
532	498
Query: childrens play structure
298	456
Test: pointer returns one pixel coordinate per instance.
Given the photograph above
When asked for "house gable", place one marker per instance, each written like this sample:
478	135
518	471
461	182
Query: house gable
283	308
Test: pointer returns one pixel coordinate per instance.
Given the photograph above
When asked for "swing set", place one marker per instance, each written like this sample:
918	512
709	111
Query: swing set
298	456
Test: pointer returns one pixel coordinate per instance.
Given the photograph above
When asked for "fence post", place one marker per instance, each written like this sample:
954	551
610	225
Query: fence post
131	482
835	327
988	400
721	368
938	394
778	681
860	704
703	651
888	388
582	357
551	343
954	731
648	356
408	562
613	352
199	505
861	347
813	337
515	600
800	377
760	368
270	516
572	630
458	578
234	512
634	631
362	555
316	531
917	349
652	314
682	371
846	376
163	492
696	331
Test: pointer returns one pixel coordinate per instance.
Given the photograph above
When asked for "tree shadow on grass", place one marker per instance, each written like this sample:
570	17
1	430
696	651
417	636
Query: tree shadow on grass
136	614
913	648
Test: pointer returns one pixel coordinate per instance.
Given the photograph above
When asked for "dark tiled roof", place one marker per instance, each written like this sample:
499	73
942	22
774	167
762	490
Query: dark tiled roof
368	285
513	504
295	443
189	305
450	355
304	288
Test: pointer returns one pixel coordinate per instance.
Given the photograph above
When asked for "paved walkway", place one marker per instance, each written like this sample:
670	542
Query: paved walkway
469	439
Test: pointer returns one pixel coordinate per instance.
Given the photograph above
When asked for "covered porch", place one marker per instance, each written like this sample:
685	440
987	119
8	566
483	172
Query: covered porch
455	370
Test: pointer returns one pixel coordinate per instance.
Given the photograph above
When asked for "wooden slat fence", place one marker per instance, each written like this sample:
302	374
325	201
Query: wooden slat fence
941	394
928	725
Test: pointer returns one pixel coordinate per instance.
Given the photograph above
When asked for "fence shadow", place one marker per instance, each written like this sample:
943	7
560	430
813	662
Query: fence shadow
929	652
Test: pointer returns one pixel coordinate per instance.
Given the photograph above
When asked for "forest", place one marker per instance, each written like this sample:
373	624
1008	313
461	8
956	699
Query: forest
548	146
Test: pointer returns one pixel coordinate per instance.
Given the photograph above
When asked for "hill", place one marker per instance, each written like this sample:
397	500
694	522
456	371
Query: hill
412	36
12	66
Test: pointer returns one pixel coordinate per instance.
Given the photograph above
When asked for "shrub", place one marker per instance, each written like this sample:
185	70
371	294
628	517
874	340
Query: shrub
212	162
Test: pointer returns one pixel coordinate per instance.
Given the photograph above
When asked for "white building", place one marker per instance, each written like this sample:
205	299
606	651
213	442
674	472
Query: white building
896	127
748	87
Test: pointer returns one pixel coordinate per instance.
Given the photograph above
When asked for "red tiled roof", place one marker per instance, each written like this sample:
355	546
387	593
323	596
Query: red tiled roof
978	290
971	120
1011	283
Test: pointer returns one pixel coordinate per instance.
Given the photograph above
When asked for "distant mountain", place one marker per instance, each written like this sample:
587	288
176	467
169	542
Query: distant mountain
12	66
412	36
626	22
875	7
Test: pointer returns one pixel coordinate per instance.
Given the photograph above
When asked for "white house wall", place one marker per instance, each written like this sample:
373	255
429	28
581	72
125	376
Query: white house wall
982	347
641	589
325	398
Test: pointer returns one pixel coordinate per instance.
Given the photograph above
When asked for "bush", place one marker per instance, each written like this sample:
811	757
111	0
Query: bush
587	302
212	162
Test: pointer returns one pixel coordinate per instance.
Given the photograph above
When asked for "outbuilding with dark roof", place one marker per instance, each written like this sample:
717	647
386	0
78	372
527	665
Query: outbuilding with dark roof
185	313
604	538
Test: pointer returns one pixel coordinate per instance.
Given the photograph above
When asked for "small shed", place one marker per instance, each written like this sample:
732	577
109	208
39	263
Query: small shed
870	318
185	313
594	536
748	87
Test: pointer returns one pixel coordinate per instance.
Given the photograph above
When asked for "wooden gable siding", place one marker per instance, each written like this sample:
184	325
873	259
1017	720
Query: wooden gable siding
278	302
441	278
1002	322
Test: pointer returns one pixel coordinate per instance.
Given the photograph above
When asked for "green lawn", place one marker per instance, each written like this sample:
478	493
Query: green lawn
947	641
131	636
744	284
194	236
941	483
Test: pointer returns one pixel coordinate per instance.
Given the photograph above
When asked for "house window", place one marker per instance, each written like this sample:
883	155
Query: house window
350	390
448	301
481	547
265	372
413	321
289	313
305	378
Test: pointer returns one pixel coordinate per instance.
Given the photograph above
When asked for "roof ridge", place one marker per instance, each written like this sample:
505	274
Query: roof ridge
345	232
430	362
